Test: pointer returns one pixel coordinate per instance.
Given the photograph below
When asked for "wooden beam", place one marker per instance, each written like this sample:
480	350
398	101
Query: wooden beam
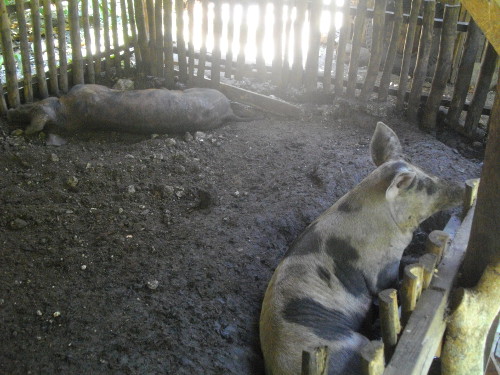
486	14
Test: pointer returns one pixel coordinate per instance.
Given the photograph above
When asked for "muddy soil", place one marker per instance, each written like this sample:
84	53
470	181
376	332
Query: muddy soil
129	254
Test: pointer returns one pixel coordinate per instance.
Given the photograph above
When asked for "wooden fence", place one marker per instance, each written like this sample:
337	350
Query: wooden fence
286	42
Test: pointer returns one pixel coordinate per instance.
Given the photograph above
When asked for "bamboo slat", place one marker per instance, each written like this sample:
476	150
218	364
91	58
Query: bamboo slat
240	70
424	50
297	66
443	66
311	71
107	40
97	36
61	43
260	33
345	32
190	7
126	38
159	41
167	44
465	70
376	51
37	46
25	52
9	61
330	47
356	48
285	72
50	48
216	53
408	50
391	52
114	33
142	36
181	44
277	64
88	41
482	88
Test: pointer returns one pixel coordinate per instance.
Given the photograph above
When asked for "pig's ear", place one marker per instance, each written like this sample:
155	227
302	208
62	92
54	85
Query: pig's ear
399	183
385	145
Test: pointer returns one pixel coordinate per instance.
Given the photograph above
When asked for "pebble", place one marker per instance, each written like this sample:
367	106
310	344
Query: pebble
152	284
170	142
54	158
72	182
17	133
18	224
200	136
188	137
57	314
83	267
131	189
129	156
39	313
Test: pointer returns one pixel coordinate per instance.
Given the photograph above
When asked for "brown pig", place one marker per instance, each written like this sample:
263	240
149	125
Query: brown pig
321	292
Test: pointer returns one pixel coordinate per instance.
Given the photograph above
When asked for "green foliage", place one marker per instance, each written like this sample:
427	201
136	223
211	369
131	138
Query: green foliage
10	2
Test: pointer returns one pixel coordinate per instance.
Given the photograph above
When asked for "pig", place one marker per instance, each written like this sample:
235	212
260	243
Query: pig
322	291
88	106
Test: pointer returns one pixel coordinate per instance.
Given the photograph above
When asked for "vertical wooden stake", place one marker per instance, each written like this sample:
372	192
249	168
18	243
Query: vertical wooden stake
114	34
330	47
167	44
428	262
97	35
359	24
372	358
315	363
345	32
216	53
410	290
181	44
126	39
88	41
25	52
240	71
471	187
311	71
297	66
203	50
389	320
285	73
37	46
10	62
259	37
277	64
190	7
159	53
437	243
76	42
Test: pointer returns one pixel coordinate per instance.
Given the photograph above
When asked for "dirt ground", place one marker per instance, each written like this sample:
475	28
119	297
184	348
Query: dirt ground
129	254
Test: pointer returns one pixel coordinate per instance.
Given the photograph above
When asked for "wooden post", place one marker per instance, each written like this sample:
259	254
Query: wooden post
286	63
437	243
181	44
311	71
25	52
297	66
372	358
359	23
88	41
126	39
167	44
277	64
473	315
315	363
411	289
376	51
107	40
240	71
330	47
76	42
405	67
345	32
133	28
389	320
471	188
150	19
61	43
424	50
428	262
142	36
443	66
216	53
391	52
114	34
159	39
97	35
260	33
190	7
37	46
9	61
488	67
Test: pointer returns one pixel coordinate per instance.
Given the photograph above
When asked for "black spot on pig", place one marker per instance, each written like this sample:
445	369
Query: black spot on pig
329	324
347	207
325	275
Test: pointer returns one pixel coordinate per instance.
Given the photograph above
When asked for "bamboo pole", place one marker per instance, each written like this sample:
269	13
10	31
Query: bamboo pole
88	41
142	36
488	67
330	47
408	50
133	29
260	33
168	44
240	71
372	358
465	70
159	40
391	52
311	70
315	363
359	23
277	65
297	66
114	34
424	50
390	324
37	46
190	7
376	51
9	61
61	42
216	54
97	36
428	262
437	243
411	289
107	41
345	32
181	44
25	52
126	38
443	66
285	73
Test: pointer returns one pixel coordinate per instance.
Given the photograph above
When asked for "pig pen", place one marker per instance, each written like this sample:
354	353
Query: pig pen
130	254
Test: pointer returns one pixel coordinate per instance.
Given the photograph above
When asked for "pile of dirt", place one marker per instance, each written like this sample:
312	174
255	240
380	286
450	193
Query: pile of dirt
135	254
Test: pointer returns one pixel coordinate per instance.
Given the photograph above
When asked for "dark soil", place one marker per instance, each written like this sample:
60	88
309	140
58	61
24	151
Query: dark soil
128	254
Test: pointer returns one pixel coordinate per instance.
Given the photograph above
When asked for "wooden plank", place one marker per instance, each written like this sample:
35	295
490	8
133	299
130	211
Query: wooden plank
487	15
356	48
424	331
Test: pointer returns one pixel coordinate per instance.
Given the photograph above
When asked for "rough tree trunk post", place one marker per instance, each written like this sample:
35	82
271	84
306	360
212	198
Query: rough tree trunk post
480	304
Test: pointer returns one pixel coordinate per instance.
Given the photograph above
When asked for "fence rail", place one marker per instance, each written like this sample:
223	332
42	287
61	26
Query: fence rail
313	46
